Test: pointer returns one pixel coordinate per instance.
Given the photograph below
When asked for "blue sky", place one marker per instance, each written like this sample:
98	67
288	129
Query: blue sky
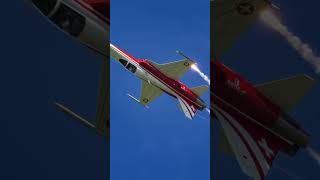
263	55
39	64
159	142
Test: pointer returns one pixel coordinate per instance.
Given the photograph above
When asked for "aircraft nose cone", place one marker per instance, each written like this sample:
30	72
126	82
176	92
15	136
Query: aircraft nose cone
45	6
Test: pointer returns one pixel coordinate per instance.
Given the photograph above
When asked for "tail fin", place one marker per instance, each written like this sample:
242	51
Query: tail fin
286	93
200	90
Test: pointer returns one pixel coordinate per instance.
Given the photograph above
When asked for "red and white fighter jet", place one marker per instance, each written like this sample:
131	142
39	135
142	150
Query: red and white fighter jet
254	119
159	78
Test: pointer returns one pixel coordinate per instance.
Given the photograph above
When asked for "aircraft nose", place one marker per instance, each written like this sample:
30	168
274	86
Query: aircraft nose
45	6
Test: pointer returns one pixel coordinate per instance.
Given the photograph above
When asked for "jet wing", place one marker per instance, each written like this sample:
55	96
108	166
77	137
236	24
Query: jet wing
230	18
174	70
149	93
254	147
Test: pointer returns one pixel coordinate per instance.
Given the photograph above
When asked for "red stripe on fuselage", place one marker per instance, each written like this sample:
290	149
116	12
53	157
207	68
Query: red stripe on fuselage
244	96
170	83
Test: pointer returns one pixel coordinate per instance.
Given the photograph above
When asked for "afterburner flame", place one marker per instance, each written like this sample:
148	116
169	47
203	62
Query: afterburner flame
203	76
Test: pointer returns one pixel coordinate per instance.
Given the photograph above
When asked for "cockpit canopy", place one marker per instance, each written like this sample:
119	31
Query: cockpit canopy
128	65
123	62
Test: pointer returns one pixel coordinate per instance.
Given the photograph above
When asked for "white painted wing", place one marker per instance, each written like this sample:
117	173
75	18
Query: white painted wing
174	70
149	93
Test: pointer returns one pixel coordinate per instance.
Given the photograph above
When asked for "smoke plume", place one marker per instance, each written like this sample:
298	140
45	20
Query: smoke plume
204	77
296	43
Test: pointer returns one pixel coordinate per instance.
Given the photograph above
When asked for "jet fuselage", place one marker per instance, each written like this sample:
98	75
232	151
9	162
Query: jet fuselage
234	95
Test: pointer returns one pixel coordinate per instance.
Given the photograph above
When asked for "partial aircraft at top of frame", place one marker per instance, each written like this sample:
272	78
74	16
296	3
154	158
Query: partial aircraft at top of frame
88	22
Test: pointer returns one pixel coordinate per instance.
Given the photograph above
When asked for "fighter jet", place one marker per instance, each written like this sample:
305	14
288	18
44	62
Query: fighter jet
255	120
159	78
88	22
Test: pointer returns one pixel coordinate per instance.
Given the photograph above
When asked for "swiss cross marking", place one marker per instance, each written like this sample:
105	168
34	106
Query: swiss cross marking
264	145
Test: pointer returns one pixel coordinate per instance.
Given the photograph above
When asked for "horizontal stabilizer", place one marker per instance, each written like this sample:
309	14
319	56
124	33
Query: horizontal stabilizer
286	93
200	90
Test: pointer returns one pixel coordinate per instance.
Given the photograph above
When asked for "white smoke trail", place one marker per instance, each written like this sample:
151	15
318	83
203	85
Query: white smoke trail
303	48
208	110
204	77
315	155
